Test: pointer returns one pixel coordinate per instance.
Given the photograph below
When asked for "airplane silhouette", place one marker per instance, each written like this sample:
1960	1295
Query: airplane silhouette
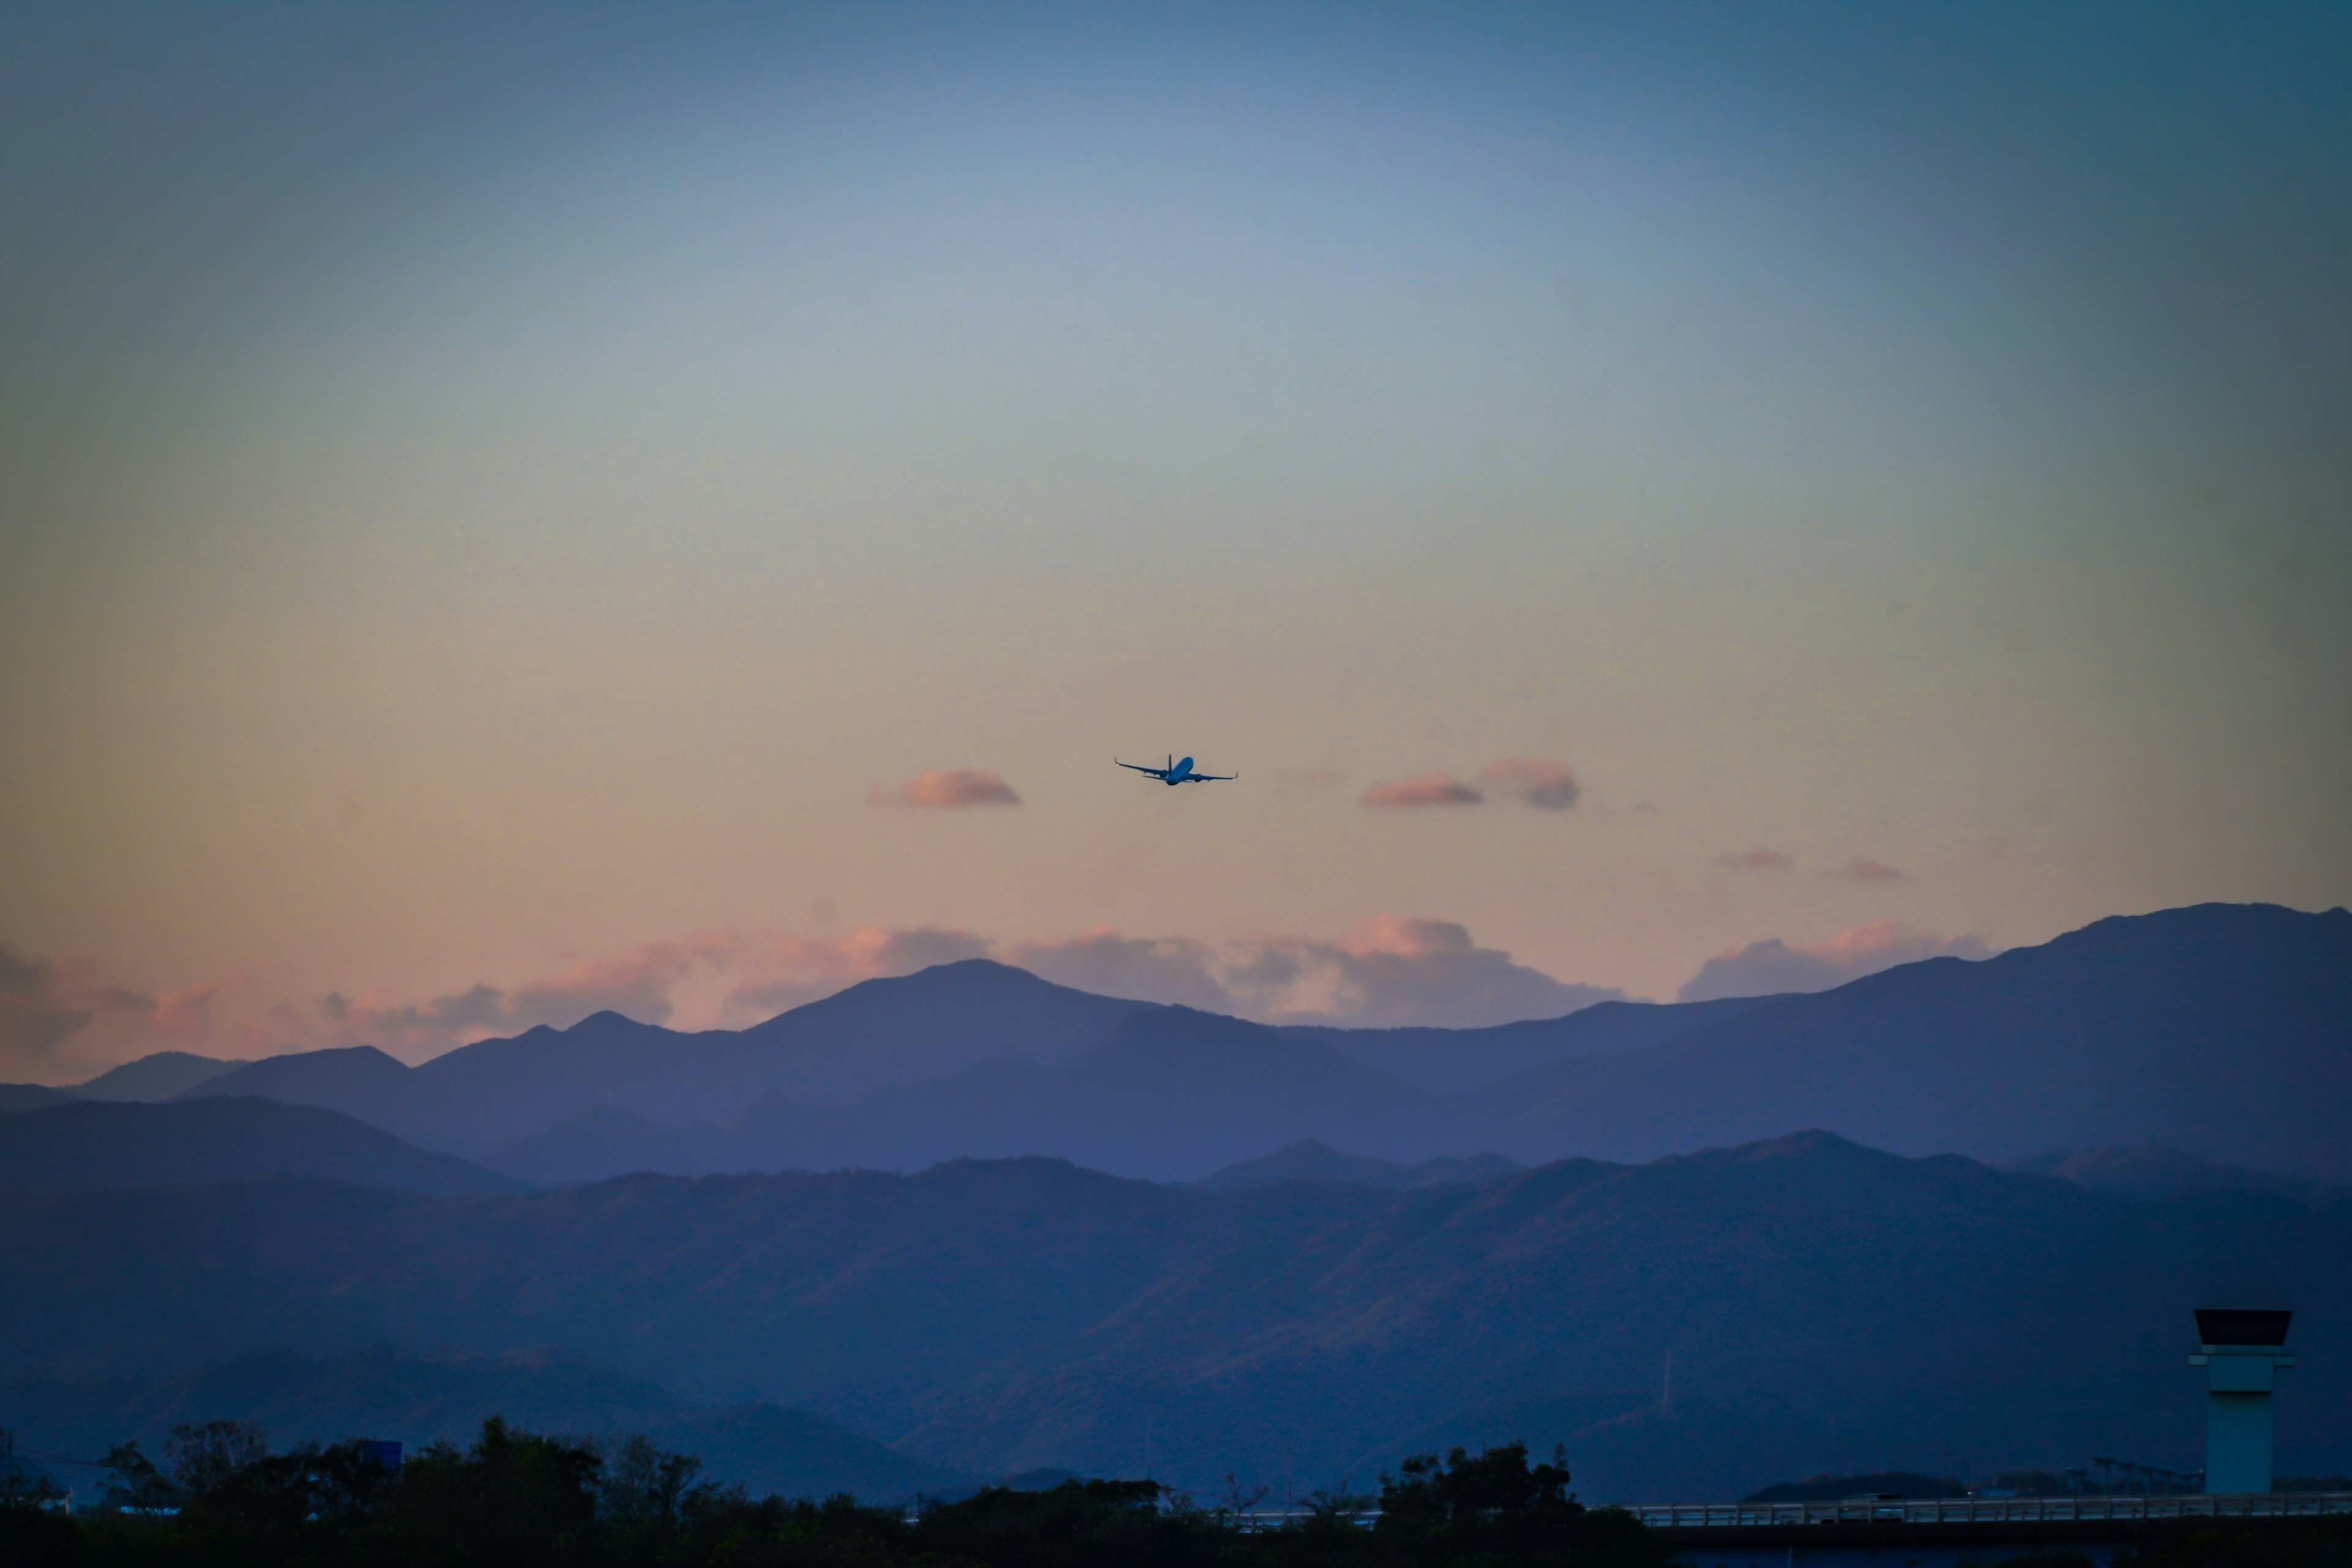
1178	771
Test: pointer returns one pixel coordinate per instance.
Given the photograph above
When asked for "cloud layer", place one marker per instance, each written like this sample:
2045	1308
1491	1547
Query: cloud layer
1426	789
1753	860
1765	968
63	1022
1390	971
1539	782
947	787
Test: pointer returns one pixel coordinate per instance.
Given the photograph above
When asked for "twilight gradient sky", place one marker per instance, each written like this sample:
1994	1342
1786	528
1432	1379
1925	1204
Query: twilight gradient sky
510	509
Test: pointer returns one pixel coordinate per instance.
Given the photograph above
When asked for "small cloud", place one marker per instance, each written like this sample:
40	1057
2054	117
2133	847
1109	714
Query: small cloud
1429	789
949	787
1863	868
1754	860
1772	966
1540	782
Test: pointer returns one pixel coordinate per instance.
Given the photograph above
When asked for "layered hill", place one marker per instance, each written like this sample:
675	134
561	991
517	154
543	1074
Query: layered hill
1827	1308
2222	1030
89	1146
16	1097
1311	1161
882	1032
162	1076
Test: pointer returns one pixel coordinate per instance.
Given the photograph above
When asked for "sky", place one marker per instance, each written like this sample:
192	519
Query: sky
507	510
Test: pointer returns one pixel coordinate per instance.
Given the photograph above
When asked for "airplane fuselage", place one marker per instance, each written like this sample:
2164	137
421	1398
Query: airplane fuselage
1176	774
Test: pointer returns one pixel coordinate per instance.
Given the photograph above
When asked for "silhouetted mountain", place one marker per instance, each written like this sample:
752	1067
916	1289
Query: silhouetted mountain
161	1076
1309	1161
374	1393
482	1097
2224	1030
358	1080
1828	1308
1171	1094
2153	1170
16	1097
89	1146
1454	1059
2220	1030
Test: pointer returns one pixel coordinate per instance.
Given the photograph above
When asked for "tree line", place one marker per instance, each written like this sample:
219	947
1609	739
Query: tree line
522	1499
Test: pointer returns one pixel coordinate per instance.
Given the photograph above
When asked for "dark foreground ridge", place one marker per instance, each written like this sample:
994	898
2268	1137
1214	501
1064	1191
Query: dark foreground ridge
995	1316
517	1500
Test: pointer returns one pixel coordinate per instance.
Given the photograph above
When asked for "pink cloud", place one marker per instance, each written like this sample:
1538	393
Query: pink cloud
1429	789
1539	782
1863	868
1148	969
1772	966
1754	860
949	787
1397	970
63	1020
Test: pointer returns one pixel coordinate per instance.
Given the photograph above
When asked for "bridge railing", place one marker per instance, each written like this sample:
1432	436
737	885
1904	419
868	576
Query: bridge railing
1989	1510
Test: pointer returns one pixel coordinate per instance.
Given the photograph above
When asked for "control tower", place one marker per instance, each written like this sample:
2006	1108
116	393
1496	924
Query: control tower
2241	1352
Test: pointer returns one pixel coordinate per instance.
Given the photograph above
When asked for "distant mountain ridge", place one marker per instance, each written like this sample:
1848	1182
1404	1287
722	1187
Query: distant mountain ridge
2220	1030
158	1077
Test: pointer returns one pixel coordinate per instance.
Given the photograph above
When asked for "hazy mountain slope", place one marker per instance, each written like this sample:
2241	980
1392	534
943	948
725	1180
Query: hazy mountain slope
1452	1059
358	1080
595	1144
91	1146
1313	1161
2153	1170
2224	1030
1823	1303
1172	1094
160	1075
375	1394
16	1097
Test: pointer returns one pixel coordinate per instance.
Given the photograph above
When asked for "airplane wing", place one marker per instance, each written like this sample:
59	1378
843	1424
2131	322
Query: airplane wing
1155	772
1209	778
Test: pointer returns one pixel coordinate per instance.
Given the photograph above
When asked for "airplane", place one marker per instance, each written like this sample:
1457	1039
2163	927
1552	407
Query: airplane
1178	771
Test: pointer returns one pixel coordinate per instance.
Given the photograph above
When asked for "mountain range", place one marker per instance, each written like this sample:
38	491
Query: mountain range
1825	1308
2222	1031
2225	1031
